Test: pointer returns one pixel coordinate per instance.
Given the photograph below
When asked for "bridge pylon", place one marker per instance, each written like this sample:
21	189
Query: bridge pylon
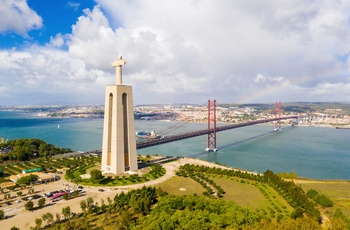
278	116
211	126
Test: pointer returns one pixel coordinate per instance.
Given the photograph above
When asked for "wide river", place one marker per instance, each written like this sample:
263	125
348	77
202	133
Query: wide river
312	152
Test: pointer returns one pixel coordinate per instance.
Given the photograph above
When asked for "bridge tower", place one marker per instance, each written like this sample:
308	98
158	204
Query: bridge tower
211	126
278	115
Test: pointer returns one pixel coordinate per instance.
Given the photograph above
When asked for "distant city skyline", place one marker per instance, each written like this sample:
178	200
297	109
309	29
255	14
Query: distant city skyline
60	52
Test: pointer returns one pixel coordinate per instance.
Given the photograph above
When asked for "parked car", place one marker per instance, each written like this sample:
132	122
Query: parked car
36	196
48	194
101	190
17	201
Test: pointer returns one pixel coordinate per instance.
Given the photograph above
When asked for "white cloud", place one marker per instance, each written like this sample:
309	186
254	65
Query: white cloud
73	5
190	51
57	41
259	78
17	17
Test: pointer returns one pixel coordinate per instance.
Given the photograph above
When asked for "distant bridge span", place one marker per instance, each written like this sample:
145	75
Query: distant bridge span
177	137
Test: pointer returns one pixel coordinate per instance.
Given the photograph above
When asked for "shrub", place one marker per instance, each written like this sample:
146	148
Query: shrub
323	200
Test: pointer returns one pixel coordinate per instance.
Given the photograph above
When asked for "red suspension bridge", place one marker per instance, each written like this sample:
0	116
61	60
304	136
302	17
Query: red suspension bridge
212	128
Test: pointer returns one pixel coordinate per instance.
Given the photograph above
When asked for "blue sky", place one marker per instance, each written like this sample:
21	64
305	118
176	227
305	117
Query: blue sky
178	51
57	16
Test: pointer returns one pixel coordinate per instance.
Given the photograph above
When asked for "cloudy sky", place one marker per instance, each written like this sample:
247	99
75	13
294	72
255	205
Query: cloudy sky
178	51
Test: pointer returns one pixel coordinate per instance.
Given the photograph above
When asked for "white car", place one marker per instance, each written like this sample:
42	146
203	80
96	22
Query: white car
17	201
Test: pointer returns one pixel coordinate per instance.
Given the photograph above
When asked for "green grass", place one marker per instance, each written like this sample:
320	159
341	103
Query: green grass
246	193
173	185
337	191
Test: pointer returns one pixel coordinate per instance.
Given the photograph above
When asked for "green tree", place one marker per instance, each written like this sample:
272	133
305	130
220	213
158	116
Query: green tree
38	222
2	214
27	179
83	205
19	193
323	200
89	202
109	200
96	175
76	193
29	205
58	217
14	228
41	202
125	219
47	217
311	193
66	212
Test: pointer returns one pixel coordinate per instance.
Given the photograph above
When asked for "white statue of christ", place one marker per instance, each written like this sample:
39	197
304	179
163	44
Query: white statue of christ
118	71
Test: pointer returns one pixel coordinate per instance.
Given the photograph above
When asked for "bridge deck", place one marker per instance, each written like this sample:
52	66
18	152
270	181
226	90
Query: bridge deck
177	137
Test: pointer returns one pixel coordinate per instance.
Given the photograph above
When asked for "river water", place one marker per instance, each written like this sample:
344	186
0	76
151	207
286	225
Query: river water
312	152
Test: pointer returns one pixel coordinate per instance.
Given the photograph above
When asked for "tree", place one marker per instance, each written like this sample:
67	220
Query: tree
83	205
27	179
323	200
76	193
38	222
14	228
29	205
47	217
2	214
66	212
96	175
41	202
58	217
89	202
109	200
311	193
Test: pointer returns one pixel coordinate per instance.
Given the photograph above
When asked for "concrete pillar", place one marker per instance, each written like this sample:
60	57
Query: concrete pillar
119	140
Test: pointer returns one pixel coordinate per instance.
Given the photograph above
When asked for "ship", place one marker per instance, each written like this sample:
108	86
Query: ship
342	127
147	135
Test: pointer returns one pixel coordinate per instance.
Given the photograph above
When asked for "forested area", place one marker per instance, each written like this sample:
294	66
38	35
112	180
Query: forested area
26	149
152	208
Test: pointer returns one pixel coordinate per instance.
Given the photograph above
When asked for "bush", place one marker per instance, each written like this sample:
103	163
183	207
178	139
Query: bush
323	200
311	193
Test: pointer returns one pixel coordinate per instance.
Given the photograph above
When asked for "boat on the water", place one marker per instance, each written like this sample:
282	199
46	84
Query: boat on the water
342	127
147	135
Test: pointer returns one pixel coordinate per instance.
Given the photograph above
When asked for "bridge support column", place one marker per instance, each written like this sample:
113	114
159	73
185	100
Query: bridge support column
278	115
211	130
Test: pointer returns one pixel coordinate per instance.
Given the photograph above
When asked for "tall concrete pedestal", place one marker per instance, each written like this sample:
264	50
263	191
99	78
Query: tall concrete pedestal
119	141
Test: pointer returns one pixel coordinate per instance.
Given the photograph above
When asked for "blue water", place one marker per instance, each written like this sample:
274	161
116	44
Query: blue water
318	153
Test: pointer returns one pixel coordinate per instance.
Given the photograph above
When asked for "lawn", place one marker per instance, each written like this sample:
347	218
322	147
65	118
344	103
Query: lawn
246	193
173	185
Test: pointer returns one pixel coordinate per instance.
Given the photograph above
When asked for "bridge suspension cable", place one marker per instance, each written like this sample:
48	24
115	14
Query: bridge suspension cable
172	128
